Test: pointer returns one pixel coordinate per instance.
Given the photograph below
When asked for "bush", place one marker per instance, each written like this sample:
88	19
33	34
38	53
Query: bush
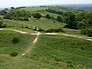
48	16
50	30
59	18
1	24
26	19
37	15
15	40
59	30
87	32
26	27
13	54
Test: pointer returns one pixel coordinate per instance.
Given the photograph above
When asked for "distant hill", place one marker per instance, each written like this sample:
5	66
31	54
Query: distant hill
81	7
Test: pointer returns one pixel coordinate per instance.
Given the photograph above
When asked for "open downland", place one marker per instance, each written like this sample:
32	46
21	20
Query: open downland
48	52
6	45
63	52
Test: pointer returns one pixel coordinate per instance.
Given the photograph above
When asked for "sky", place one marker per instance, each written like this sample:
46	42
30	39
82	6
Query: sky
17	3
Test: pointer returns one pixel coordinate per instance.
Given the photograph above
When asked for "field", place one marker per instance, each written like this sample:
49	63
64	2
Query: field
42	23
6	45
50	52
41	50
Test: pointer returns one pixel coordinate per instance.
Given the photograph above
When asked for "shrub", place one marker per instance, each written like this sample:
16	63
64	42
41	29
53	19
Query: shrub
59	18
87	32
48	16
82	48
26	19
26	26
15	40
50	30
13	54
1	24
37	15
59	30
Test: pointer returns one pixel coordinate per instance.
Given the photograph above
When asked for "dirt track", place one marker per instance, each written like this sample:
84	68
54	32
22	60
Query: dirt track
29	50
76	36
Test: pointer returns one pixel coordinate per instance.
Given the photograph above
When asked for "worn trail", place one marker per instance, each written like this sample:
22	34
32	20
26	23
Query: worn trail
29	50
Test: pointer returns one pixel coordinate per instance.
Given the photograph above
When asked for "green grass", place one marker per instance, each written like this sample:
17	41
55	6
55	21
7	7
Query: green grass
6	45
63	52
42	23
72	31
50	52
33	9
40	10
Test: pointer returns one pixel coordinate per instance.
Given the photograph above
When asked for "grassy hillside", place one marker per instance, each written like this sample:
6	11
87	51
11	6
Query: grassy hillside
63	52
7	46
42	23
50	52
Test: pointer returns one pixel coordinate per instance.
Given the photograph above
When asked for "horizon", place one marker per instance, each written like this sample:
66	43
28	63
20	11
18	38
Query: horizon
43	5
20	3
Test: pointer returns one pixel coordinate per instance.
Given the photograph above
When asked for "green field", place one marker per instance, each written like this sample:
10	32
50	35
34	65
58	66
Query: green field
50	52
43	51
42	23
6	45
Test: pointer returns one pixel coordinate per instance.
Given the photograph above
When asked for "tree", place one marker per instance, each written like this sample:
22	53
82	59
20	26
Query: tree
85	18
80	16
88	17
12	8
59	18
18	15
70	20
6	9
3	12
37	15
81	25
87	31
48	16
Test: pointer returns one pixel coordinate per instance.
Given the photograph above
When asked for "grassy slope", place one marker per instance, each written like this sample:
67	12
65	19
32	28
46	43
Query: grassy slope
39	10
32	9
42	23
6	45
63	9
51	52
63	52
